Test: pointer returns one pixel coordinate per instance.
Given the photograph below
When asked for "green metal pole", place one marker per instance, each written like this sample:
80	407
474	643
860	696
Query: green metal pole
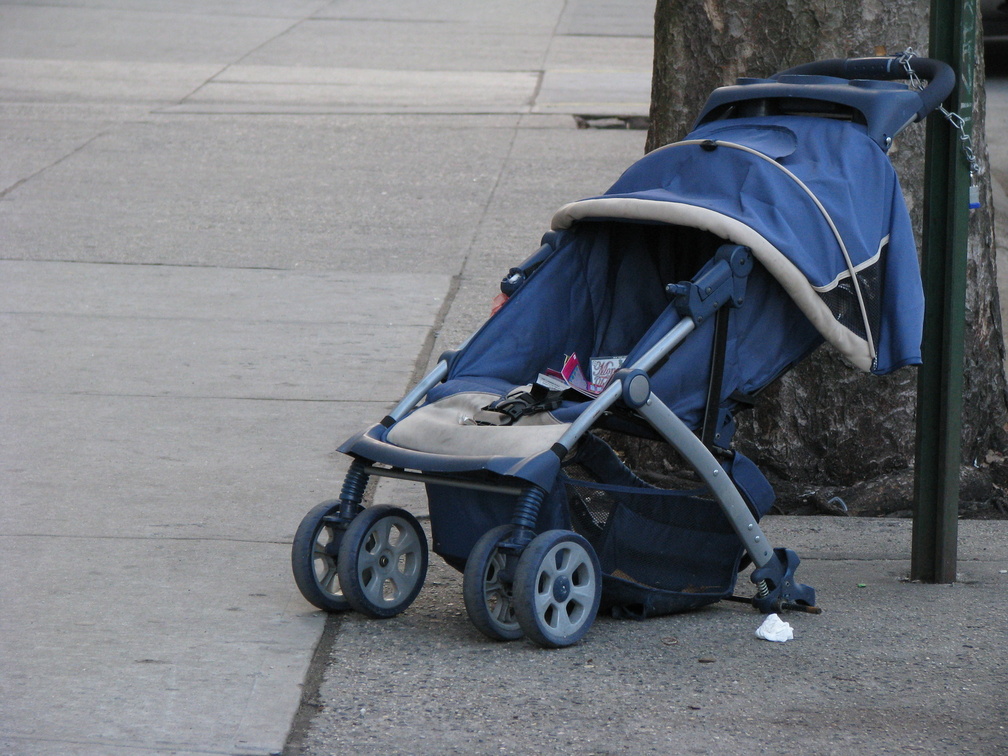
943	266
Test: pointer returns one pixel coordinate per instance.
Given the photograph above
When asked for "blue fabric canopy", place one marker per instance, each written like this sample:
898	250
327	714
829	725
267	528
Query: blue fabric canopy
819	204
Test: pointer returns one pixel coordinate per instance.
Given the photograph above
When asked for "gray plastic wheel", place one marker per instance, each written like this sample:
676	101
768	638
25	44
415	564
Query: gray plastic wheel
314	555
557	588
382	561
486	591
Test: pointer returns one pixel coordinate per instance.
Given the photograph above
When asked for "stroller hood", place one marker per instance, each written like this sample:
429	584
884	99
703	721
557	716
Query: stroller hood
818	203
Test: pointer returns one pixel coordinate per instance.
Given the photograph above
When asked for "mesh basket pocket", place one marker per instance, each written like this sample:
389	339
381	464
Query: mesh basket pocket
677	541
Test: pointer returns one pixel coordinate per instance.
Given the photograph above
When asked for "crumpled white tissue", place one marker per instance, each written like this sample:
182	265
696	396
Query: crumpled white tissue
775	629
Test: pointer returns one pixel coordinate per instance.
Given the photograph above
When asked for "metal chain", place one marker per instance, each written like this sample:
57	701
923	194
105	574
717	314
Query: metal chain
957	121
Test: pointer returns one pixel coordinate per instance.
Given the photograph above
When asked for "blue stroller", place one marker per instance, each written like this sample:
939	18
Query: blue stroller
659	310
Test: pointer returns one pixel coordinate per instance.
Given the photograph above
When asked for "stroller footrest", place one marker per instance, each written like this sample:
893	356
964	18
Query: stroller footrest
777	584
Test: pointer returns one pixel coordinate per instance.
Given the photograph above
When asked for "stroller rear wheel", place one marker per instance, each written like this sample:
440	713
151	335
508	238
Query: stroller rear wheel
557	588
382	561
486	586
314	555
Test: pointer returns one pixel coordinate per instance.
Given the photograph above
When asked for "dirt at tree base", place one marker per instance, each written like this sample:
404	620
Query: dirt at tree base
983	490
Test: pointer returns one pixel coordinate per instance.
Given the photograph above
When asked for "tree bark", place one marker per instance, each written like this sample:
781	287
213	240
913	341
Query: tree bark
825	424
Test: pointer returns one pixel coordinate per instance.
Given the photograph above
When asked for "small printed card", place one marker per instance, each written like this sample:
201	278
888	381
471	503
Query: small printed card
552	384
570	376
602	369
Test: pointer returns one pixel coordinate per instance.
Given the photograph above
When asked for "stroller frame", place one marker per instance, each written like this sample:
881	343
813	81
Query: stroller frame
547	585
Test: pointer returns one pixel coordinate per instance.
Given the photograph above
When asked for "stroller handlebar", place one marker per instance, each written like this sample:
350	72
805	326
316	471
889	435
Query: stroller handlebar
866	90
939	75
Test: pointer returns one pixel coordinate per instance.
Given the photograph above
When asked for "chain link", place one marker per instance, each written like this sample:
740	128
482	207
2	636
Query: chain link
957	121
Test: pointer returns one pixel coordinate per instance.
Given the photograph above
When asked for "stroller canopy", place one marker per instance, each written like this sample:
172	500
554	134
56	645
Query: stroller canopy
819	204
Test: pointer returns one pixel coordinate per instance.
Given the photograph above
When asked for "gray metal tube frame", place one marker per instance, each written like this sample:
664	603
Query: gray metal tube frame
678	434
613	391
683	440
414	397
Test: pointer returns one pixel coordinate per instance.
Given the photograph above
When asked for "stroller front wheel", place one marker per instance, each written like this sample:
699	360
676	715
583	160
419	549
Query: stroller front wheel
557	588
314	555
382	561
487	586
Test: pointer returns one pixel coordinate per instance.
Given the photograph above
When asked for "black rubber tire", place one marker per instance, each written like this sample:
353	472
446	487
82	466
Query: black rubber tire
488	600
314	558
382	561
557	588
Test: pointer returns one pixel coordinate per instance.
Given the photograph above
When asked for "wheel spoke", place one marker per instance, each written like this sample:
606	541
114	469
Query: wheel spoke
584	595
394	586
549	568
544	599
491	578
561	620
324	563
374	586
367	561
406	554
502	611
322	552
496	593
325	542
407	543
379	536
563	559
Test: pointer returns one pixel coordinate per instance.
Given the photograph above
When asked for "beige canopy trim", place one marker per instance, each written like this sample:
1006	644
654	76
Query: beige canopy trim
854	348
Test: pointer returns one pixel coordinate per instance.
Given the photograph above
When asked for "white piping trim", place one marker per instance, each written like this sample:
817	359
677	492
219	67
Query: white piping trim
832	225
857	269
791	279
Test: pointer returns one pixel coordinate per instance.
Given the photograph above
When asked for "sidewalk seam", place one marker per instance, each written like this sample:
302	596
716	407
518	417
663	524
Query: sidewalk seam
53	164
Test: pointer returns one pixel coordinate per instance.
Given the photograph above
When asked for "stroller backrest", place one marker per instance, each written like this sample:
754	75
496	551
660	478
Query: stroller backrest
602	294
596	295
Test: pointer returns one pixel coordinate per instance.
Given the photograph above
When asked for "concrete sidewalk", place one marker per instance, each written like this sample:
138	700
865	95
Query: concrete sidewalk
231	234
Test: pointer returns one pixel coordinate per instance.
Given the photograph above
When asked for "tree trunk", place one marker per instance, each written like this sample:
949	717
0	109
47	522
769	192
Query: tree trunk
826	426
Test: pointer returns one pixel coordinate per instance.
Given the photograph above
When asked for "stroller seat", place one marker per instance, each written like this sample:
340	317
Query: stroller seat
459	425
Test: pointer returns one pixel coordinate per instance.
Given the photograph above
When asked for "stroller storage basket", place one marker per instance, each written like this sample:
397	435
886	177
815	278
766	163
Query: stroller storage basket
459	516
661	550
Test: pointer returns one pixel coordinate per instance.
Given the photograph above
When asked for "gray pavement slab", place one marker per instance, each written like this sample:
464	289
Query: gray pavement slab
501	16
165	429
601	53
269	191
176	32
320	89
442	44
104	82
612	93
607	18
167	657
154	331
